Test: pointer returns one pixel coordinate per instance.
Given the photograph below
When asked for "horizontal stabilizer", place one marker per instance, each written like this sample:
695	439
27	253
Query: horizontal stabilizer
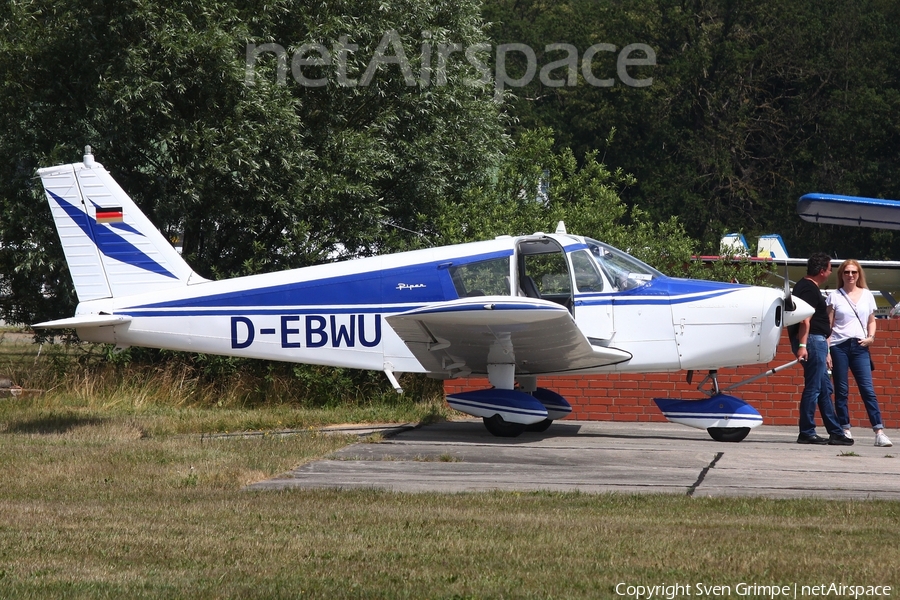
84	321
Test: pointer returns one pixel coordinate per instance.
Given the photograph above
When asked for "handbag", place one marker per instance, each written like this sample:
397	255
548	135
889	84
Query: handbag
871	362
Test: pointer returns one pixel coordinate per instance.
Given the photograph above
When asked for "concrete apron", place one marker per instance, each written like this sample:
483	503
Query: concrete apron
605	456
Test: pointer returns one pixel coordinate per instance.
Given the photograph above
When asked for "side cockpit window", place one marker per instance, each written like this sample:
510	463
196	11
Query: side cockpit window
483	278
624	271
587	274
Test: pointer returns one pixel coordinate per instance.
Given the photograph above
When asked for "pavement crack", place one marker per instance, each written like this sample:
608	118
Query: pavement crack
703	473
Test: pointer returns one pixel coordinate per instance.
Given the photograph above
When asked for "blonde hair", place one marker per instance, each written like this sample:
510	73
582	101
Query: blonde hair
860	278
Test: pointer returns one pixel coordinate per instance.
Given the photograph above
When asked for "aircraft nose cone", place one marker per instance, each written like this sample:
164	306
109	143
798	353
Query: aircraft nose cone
801	311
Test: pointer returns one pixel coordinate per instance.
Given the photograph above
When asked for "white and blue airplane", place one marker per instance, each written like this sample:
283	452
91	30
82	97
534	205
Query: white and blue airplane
515	309
857	211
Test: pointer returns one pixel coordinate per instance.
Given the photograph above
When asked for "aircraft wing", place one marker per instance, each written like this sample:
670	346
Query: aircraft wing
849	210
463	336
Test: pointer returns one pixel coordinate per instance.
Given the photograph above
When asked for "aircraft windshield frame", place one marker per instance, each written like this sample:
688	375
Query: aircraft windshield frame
624	271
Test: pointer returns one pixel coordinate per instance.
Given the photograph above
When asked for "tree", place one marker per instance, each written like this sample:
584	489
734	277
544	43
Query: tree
536	186
751	106
253	177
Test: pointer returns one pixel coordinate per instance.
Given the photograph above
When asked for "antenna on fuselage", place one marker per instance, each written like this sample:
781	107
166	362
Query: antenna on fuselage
418	233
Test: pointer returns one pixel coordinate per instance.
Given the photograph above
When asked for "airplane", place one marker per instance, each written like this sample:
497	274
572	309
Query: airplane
882	276
858	211
514	308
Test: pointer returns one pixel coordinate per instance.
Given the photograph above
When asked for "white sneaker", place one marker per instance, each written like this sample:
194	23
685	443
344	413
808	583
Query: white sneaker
847	434
882	440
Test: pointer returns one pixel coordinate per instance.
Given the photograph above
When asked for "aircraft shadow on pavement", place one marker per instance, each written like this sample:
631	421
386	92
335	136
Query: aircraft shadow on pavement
473	432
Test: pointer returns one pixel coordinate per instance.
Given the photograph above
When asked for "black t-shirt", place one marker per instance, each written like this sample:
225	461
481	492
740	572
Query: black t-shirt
809	292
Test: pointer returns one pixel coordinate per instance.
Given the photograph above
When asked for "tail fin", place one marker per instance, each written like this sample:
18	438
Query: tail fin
112	249
734	244
771	246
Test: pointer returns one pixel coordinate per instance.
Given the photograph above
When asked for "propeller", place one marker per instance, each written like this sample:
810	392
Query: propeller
788	298
795	309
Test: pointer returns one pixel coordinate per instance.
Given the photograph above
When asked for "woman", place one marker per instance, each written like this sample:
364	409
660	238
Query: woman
851	309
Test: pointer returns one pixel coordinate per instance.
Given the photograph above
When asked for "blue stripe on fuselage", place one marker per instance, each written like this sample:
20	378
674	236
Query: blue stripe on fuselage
663	290
311	297
225	311
419	284
401	288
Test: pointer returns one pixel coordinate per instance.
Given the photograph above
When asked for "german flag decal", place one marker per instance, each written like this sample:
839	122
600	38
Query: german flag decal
110	215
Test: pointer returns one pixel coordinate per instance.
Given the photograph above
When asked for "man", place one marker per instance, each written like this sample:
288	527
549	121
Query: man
809	341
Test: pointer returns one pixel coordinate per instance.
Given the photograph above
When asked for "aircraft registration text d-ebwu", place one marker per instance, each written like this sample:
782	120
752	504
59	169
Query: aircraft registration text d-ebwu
512	308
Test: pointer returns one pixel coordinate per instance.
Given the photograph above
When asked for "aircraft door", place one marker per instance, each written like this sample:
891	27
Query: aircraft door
543	271
593	307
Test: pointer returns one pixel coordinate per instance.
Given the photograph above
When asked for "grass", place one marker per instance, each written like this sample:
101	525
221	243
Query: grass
175	393
99	509
125	499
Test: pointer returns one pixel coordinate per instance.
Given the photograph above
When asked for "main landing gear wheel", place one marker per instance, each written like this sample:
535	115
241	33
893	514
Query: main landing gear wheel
499	427
539	426
728	434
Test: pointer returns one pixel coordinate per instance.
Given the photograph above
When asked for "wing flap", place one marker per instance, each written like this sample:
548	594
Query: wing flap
464	336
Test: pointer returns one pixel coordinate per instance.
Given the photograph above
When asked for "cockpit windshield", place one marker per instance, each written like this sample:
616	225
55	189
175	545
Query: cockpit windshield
625	272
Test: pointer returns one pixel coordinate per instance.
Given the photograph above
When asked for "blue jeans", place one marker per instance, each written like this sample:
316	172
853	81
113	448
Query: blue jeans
849	355
817	389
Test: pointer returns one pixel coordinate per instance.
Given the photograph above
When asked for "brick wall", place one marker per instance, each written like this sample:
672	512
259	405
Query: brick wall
619	397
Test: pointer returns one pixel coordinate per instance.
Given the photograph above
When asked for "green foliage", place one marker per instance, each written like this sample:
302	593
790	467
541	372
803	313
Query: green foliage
536	186
254	177
752	105
263	177
533	188
100	376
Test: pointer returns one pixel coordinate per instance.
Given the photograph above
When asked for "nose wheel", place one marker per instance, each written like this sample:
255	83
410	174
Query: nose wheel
728	434
725	418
